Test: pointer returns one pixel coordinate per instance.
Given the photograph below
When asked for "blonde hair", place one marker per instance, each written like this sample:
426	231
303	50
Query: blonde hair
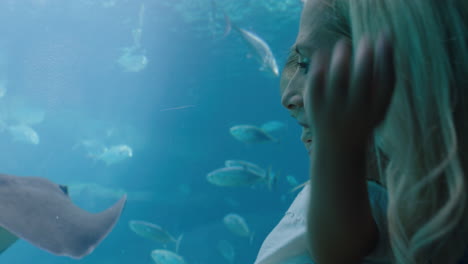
422	135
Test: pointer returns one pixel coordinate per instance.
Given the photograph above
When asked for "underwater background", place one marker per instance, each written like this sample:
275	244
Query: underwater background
163	78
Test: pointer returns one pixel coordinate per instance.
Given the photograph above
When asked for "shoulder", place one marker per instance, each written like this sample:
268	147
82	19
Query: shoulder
287	240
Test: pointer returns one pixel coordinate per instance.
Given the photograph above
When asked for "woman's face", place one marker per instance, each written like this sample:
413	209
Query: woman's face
314	35
292	99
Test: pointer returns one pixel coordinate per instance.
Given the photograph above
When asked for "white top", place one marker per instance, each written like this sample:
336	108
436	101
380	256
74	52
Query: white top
286	243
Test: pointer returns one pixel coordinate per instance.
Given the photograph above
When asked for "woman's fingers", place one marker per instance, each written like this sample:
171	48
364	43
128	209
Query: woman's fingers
338	78
362	74
317	81
344	92
384	77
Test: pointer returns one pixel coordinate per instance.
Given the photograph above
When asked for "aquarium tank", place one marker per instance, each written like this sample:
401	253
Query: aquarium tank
170	106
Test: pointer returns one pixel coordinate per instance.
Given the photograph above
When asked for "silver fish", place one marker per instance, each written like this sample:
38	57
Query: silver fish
133	59
24	133
292	181
237	225
154	232
237	176
272	126
115	154
251	134
162	256
228	27
245	164
227	250
261	48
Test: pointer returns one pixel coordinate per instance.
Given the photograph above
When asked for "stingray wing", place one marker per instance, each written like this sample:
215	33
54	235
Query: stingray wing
6	239
39	211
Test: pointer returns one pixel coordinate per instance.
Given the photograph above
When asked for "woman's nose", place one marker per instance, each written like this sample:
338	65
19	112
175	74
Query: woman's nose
292	101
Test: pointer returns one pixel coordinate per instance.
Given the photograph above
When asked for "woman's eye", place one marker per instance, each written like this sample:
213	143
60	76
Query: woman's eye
303	64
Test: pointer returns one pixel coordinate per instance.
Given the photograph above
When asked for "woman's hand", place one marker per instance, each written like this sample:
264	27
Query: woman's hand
345	103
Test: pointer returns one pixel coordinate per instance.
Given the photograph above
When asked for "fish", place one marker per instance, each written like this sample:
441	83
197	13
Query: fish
133	59
154	232
40	212
261	49
226	249
269	176
292	181
238	174
162	256
272	126
115	154
237	225
23	133
244	164
228	25
251	134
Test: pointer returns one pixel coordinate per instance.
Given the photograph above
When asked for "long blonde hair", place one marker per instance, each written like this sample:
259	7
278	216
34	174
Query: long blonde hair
423	130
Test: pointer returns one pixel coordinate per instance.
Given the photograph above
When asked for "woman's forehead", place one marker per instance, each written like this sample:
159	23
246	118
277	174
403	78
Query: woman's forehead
315	33
309	9
315	26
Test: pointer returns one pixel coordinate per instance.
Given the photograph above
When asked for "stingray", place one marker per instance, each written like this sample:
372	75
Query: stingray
41	212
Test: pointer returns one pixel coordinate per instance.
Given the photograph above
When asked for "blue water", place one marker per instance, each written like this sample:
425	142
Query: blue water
61	57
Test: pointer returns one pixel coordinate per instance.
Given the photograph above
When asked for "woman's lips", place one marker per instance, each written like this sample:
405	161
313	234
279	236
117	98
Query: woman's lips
308	148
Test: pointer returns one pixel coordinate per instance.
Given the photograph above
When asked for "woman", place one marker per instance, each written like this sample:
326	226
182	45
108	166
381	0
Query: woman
389	72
